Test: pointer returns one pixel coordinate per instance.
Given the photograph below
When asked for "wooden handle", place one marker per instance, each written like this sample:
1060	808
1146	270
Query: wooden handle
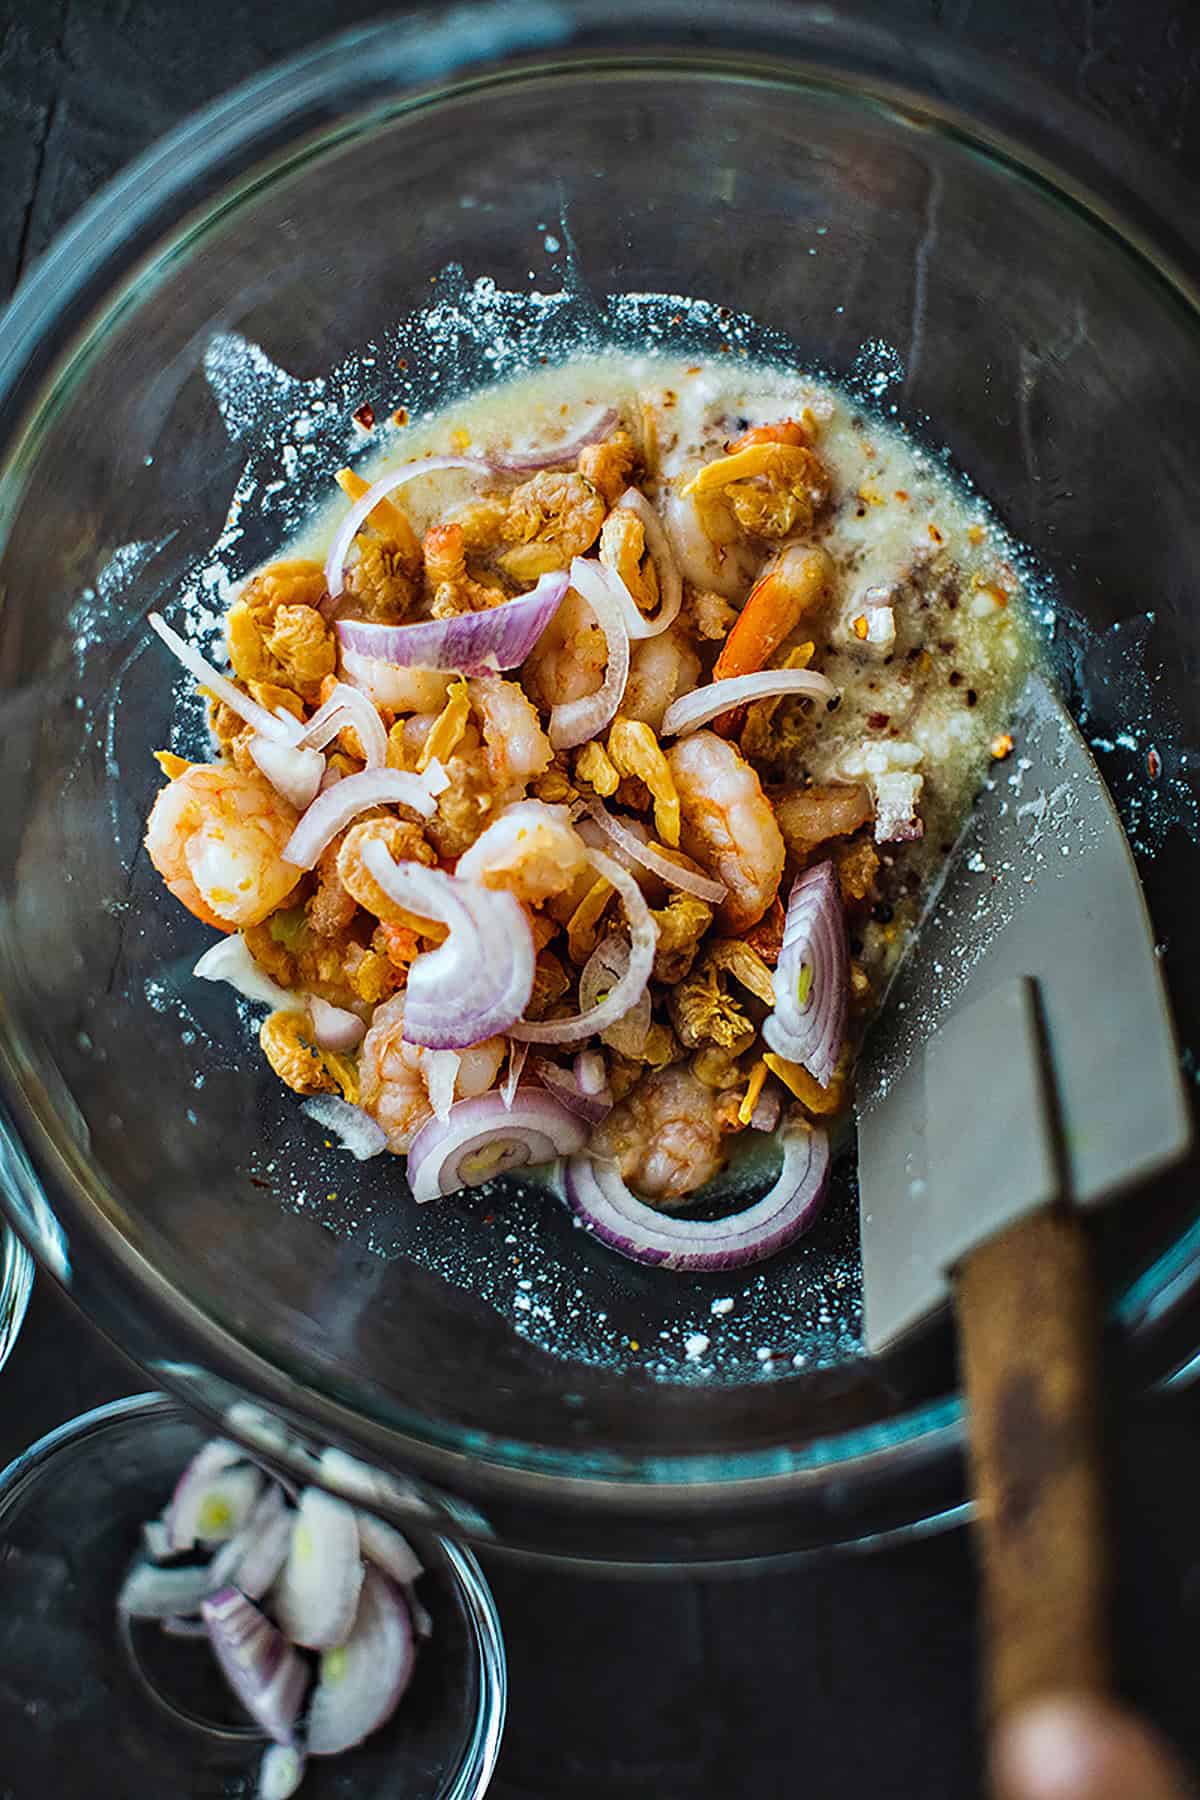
1029	1333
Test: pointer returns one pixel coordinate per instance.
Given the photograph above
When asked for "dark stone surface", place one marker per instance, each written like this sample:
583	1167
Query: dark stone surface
855	1678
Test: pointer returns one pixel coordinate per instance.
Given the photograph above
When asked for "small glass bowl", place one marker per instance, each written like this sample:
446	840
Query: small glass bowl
91	1706
16	1285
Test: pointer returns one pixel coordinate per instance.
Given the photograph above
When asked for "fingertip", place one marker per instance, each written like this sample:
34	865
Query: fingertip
1073	1747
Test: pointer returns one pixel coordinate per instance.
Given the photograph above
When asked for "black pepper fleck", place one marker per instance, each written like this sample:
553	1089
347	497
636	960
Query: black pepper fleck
955	678
972	697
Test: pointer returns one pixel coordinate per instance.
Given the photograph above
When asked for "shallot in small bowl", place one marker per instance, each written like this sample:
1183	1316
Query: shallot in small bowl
175	1621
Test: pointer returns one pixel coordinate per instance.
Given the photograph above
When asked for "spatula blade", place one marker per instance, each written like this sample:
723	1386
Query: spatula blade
1042	885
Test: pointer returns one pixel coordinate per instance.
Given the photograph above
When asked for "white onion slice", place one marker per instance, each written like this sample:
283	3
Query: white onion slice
670	582
598	1196
263	1670
592	1104
483	1138
252	1560
157	1540
229	960
213	1460
280	1772
271	725
575	721
360	1685
333	810
152	1593
334	1027
348	705
294	772
441	1073
316	1596
512	1075
626	993
355	1129
356	518
384	1546
703	704
601	972
689	881
478	982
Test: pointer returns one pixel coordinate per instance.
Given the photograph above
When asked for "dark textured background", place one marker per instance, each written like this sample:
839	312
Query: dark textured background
853	1680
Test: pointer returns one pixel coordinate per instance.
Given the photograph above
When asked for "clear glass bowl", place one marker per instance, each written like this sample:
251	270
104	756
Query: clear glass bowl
16	1285
91	1706
926	232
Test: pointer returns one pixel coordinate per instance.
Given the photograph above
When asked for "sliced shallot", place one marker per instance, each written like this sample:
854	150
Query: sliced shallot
512	1075
356	518
575	721
648	856
149	1592
624	993
500	637
293	772
271	725
348	706
261	1667
601	973
478	982
697	708
334	1027
333	810
280	1772
527	460
812	977
384	1546
592	1105
354	1129
598	1196
316	1595
483	1138
361	1684
230	960
192	1512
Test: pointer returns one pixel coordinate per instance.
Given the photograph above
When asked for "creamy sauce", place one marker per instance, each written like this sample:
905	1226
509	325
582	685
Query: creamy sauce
900	531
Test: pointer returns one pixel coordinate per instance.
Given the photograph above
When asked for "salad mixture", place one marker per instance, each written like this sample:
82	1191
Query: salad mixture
574	795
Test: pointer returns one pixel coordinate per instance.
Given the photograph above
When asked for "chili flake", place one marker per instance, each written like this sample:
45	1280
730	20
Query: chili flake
364	416
1153	764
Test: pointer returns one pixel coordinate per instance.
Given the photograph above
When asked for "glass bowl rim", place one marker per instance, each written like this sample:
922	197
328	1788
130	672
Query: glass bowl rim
106	228
481	1752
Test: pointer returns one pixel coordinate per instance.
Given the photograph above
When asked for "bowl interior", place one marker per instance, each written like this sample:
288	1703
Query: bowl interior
403	255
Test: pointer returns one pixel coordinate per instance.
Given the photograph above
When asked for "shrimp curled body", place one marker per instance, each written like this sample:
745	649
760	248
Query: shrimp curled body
216	835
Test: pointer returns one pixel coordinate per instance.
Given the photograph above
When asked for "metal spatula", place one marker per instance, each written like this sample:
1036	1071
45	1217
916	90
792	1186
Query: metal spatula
1022	1069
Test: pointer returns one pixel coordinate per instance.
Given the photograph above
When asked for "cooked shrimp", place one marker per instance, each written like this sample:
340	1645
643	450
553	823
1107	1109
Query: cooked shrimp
404	842
391	1076
660	669
394	1075
609	465
551	518
772	489
216	835
663	1137
708	547
728	825
532	849
569	659
451	589
515	747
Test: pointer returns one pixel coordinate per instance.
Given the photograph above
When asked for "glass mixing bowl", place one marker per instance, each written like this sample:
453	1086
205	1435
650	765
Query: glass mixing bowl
93	1704
394	218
